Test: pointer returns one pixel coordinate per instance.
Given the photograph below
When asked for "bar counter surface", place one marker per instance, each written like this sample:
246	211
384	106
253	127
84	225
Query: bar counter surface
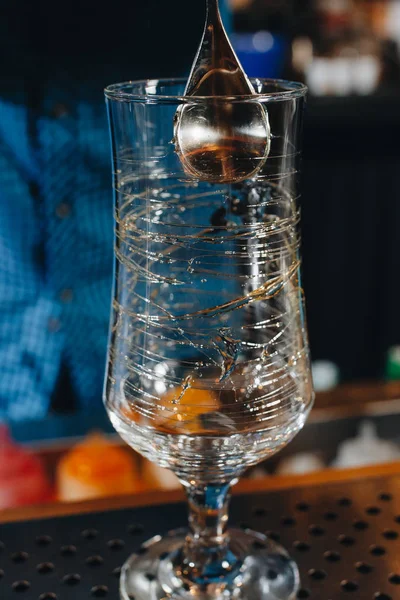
342	527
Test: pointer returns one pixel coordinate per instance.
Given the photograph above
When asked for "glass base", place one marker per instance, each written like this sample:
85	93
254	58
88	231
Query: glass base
258	569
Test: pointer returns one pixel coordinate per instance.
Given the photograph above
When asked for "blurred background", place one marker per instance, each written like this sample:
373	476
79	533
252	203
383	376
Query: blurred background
54	171
347	52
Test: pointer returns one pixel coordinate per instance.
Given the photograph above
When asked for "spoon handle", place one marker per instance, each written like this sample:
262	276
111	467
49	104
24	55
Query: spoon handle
213	10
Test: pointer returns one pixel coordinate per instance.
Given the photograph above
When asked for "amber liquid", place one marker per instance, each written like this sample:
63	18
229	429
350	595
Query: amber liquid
224	163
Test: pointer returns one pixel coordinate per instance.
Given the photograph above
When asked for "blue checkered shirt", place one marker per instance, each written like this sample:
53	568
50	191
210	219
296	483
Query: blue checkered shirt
56	239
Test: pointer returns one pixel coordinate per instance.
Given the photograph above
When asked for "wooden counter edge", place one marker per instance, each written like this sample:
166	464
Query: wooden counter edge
26	513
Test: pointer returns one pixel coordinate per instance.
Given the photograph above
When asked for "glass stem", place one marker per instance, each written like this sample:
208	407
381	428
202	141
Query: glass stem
206	555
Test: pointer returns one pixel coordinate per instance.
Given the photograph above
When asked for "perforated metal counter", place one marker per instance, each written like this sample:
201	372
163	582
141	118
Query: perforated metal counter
345	538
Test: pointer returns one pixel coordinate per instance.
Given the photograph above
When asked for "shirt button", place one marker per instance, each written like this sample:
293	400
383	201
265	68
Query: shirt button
66	295
53	325
63	210
60	110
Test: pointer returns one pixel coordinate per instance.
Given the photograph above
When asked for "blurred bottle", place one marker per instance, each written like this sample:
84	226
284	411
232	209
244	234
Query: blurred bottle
22	476
302	55
299	464
325	375
392	21
366	449
392	371
96	468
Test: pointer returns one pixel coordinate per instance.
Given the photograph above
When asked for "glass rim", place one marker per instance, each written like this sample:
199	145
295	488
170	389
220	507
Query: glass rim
286	90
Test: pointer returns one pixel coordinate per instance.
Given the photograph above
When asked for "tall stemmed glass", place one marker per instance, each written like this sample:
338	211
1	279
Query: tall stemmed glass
208	366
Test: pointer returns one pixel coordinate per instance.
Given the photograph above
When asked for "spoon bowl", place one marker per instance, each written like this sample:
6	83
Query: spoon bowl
222	142
218	140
